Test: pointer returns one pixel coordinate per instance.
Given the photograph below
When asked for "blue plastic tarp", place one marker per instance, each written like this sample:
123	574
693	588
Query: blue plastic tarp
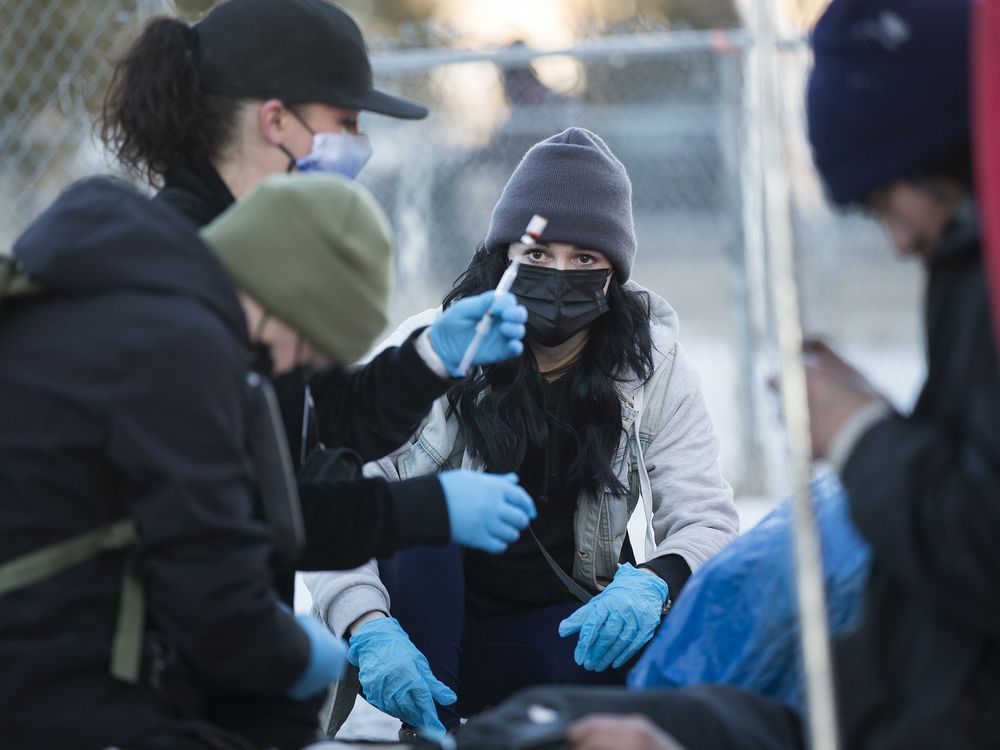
736	621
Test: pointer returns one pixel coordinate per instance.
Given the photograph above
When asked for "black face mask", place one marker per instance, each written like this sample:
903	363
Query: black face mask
560	303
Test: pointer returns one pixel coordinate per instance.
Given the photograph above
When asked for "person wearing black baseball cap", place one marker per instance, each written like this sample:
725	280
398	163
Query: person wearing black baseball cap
257	87
207	112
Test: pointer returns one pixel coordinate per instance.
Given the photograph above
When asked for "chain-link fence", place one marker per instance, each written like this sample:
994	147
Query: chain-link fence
676	109
674	106
55	62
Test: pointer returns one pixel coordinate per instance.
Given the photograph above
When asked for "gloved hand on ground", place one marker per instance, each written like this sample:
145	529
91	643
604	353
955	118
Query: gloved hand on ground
327	659
486	511
453	331
616	623
395	676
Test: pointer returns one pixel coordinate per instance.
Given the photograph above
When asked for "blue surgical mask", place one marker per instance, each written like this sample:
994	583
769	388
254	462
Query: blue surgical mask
338	153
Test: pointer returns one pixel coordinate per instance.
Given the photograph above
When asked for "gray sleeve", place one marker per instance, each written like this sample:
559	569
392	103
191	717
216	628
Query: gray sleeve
693	511
341	597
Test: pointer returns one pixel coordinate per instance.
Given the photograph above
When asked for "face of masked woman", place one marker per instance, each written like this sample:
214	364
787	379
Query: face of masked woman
563	287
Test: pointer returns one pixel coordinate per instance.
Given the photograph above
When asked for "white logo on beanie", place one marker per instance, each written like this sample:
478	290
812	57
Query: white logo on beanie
889	30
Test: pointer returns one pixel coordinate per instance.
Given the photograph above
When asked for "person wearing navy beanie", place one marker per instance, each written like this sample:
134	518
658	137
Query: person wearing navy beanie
888	112
888	96
888	107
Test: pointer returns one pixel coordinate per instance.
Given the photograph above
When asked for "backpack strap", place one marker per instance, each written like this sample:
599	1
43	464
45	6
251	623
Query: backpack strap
572	586
126	645
14	281
34	567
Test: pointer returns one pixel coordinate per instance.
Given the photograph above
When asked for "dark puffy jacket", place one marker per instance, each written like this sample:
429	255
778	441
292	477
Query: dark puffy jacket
924	670
123	393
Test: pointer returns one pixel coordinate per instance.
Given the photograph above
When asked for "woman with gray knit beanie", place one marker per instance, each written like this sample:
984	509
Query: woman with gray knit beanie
602	419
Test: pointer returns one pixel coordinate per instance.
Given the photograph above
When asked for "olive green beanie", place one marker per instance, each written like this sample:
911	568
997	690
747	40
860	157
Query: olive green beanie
317	252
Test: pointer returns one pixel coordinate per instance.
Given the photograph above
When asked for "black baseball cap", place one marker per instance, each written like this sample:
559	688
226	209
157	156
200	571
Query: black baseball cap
293	50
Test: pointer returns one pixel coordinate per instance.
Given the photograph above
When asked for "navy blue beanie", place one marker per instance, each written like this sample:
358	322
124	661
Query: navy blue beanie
574	181
889	91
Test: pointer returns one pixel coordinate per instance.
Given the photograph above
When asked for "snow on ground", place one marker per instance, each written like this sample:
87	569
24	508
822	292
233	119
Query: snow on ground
368	723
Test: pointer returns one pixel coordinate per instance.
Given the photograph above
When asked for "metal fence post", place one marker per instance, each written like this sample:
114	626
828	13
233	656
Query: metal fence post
810	590
746	290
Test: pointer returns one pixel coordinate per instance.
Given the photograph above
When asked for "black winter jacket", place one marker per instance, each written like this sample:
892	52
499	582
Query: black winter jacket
122	393
924	669
371	409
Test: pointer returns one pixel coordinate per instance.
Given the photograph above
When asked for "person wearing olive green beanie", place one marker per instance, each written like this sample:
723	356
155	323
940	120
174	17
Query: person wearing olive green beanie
124	390
321	299
316	252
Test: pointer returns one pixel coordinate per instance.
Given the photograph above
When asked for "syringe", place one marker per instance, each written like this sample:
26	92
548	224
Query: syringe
531	234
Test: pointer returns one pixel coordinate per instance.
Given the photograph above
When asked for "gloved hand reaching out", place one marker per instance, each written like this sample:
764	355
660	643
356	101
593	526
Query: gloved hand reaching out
486	511
327	659
395	676
453	331
616	623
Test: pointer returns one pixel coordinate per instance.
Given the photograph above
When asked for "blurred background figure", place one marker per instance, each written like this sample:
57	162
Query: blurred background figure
522	86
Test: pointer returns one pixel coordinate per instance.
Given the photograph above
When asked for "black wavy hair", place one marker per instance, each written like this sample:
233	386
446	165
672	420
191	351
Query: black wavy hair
155	114
501	408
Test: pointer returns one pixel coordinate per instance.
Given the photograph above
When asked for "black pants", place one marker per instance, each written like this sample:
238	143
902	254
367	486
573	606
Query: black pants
483	660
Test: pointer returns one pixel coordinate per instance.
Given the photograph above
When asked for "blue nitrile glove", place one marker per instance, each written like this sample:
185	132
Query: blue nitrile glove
616	623
486	511
453	331
327	659
395	676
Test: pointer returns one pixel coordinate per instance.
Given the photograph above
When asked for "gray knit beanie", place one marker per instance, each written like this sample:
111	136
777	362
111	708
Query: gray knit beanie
574	181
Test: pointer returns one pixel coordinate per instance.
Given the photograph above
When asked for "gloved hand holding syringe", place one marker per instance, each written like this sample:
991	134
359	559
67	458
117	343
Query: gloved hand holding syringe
531	234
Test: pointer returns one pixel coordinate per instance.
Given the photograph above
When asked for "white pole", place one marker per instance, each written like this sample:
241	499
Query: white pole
815	639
